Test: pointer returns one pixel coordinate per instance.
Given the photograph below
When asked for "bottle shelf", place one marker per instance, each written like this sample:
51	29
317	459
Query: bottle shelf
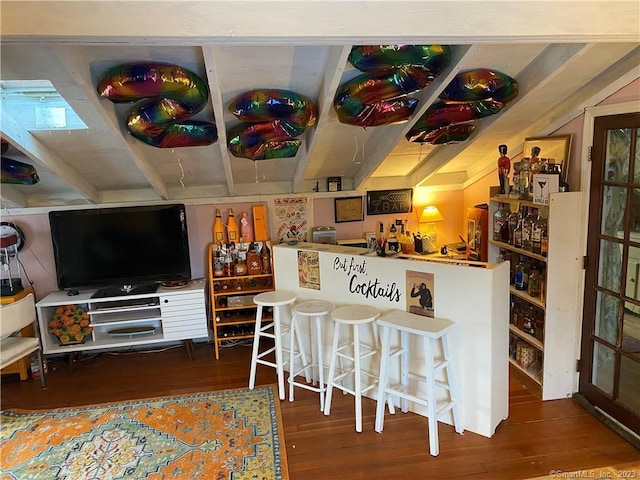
526	337
231	292
537	301
552	374
237	302
516	201
521	251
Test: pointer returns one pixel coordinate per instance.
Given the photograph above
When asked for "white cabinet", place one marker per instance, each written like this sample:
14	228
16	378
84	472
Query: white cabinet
549	357
164	316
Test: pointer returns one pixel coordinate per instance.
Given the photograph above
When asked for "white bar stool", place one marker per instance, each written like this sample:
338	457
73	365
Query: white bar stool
314	310
280	301
351	316
430	330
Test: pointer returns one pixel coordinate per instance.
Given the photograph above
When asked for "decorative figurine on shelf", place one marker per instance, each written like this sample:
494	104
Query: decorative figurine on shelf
504	167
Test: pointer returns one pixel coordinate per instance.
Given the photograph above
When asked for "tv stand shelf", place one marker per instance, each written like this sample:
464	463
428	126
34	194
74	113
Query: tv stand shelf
163	316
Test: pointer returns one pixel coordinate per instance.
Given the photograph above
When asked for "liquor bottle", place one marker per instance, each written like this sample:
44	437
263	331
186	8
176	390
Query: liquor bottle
544	237
536	235
392	241
512	221
528	320
241	267
381	241
417	242
504	230
526	229
520	317
533	287
218	271
254	262
522	276
218	228
227	265
501	256
232	227
265	257
246	228
515	306
498	221
525	170
517	232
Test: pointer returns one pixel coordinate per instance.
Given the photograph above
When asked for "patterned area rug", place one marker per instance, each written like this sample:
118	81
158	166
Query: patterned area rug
231	434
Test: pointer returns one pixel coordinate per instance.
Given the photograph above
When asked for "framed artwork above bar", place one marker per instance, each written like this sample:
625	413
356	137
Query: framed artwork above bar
348	209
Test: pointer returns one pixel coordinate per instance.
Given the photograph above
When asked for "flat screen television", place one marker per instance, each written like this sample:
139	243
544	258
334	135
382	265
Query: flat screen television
123	250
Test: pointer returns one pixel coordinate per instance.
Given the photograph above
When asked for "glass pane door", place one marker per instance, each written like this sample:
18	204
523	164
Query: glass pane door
610	372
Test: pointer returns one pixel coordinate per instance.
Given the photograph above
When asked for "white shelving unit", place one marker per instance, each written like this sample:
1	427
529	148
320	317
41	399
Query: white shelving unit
554	375
164	316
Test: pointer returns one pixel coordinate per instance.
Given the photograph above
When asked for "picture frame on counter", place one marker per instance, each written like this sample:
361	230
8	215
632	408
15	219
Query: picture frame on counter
334	184
348	209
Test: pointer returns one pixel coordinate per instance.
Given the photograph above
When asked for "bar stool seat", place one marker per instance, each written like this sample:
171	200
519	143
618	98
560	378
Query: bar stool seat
281	302
431	330
314	310
353	351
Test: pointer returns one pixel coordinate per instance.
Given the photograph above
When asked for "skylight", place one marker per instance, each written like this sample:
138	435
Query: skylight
37	105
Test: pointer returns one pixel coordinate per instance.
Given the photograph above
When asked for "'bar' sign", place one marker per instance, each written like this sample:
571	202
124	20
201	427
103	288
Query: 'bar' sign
382	202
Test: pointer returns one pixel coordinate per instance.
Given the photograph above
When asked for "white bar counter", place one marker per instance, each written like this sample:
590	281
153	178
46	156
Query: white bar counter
473	295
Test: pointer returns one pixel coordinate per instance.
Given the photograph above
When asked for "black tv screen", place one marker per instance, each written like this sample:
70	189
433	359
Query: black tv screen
120	246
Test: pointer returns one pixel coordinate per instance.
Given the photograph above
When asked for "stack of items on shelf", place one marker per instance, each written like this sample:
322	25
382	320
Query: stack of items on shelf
525	228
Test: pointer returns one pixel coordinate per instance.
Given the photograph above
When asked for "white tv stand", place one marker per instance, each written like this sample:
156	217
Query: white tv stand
164	316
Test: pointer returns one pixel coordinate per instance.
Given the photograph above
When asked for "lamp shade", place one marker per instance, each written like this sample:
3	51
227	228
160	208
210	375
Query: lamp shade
430	214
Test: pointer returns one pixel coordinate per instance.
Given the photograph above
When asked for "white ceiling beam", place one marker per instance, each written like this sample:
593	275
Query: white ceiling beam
314	21
542	72
78	69
29	145
382	145
212	68
333	71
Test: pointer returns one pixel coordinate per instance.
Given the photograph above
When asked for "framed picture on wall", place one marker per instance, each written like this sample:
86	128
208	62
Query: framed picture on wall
385	202
348	209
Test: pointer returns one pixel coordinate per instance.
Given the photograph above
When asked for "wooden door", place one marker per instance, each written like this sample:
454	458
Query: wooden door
610	357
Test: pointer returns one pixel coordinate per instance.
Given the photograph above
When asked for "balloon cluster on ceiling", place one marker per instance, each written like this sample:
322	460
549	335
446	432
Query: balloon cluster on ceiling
15	172
471	95
392	72
271	120
174	95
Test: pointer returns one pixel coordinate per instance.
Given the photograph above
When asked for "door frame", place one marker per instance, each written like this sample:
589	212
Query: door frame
590	116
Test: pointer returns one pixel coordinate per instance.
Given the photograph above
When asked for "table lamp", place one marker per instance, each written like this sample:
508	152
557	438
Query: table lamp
429	216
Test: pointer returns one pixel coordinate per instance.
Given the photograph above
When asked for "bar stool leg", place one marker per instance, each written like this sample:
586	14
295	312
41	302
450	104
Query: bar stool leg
382	384
295	338
431	398
332	368
404	367
451	381
357	382
256	344
294	320
303	355
317	328
277	330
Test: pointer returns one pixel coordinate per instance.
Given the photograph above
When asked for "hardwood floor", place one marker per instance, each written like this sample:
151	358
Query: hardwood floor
536	439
